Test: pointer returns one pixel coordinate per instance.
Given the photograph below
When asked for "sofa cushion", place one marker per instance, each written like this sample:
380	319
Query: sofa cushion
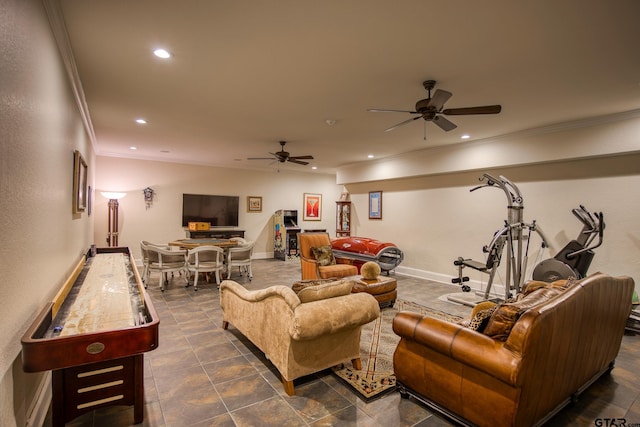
323	255
325	290
505	315
337	271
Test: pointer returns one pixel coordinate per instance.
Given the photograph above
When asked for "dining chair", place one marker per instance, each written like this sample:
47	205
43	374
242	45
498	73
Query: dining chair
205	259
145	258
164	260
240	256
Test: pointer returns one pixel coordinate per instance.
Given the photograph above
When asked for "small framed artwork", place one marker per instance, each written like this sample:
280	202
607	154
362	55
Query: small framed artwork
375	204
312	207
79	183
254	204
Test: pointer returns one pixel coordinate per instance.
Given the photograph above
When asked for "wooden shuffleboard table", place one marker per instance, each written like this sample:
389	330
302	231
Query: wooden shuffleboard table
93	335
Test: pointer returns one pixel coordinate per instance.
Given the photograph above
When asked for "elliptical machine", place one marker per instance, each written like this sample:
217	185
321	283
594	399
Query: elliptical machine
575	258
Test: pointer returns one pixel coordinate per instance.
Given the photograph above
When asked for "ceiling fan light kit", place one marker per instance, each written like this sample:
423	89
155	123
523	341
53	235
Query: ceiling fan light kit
431	109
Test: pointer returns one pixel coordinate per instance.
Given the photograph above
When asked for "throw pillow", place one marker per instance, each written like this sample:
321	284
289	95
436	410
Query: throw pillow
507	314
480	320
531	286
323	255
564	284
534	285
300	285
325	290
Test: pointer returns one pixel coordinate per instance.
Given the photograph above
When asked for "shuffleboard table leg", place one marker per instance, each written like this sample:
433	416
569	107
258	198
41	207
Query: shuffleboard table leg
138	405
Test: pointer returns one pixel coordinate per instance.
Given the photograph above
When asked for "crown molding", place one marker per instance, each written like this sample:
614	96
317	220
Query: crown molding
59	29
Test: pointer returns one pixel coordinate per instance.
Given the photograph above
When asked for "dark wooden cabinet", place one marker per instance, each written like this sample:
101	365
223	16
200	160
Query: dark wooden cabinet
214	234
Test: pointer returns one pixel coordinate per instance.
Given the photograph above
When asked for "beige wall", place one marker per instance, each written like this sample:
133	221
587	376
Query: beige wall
593	162
433	219
436	219
162	221
41	237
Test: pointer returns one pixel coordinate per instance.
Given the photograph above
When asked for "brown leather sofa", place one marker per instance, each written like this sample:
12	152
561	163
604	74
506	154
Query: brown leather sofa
558	343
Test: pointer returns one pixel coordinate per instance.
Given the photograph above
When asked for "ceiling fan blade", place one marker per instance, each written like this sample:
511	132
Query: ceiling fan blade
487	109
260	158
378	110
444	124
439	98
301	157
300	162
402	123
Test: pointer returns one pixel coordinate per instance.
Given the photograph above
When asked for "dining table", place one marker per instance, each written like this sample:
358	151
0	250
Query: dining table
194	243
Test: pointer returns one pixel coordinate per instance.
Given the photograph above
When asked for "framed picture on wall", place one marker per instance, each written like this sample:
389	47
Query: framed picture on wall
254	204
89	200
375	204
312	207
79	183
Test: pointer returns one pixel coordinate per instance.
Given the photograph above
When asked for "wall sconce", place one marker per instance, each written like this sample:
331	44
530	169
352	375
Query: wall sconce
112	235
148	196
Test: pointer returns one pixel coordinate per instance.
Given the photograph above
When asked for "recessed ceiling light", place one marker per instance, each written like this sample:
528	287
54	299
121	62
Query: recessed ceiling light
141	121
314	167
133	148
162	53
370	156
465	136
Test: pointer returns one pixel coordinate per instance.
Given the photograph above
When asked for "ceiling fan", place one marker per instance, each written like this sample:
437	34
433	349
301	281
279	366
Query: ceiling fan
283	156
431	109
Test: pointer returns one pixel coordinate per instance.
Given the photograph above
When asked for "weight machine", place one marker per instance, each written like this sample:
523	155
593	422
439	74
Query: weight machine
512	237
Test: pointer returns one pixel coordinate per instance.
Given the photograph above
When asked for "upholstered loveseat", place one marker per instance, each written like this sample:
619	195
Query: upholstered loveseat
545	349
301	333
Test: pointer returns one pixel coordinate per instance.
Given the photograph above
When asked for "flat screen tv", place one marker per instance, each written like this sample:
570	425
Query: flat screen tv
219	211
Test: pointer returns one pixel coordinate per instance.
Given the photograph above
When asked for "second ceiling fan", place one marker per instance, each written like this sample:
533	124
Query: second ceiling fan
284	156
431	109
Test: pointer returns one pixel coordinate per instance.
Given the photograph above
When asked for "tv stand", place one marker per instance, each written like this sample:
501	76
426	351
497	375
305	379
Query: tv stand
214	234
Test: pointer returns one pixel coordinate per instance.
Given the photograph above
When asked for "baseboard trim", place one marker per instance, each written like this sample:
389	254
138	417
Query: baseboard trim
38	412
475	285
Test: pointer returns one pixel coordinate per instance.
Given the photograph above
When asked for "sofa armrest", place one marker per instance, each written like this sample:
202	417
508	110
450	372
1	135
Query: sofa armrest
464	345
331	315
243	293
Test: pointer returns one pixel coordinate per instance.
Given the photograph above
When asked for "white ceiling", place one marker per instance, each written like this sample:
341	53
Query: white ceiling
246	74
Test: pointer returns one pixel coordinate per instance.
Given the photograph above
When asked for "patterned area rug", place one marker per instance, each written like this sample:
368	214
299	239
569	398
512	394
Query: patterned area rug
377	344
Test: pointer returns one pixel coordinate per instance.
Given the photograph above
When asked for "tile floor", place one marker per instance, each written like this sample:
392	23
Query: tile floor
202	375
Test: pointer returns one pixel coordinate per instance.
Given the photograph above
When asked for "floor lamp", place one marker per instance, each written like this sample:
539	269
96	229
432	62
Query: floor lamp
112	234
